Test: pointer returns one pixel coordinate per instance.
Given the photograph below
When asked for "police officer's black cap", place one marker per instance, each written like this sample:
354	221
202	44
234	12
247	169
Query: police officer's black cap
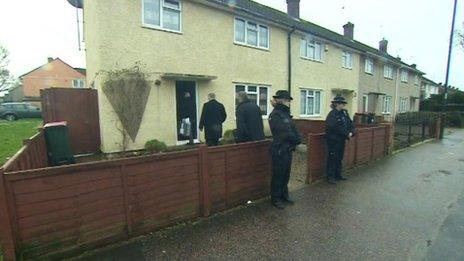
282	94
339	99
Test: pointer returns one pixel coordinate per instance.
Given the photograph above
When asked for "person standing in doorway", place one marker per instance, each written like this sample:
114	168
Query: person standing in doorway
339	128
249	120
285	139
212	117
187	113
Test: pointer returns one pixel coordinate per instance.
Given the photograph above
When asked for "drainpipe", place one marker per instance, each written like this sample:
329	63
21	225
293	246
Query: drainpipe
289	41
397	85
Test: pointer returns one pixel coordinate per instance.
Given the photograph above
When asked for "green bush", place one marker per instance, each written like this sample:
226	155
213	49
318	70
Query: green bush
155	146
455	119
228	137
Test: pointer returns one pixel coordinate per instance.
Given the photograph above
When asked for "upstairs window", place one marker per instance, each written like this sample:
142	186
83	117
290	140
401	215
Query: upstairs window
404	76
311	50
162	14
416	79
251	33
388	71
347	61
78	83
369	66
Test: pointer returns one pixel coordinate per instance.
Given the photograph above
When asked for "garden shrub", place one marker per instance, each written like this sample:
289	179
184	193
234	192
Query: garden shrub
155	146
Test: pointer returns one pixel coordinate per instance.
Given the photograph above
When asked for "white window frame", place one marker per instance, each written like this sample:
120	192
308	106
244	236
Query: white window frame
369	66
366	106
404	76
306	90
386	104
160	27
403	105
305	44
345	56
411	103
258	25
80	83
388	71
416	79
257	92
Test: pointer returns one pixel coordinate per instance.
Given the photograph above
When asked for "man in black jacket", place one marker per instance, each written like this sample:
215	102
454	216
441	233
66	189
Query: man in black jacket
249	120
285	140
212	117
339	128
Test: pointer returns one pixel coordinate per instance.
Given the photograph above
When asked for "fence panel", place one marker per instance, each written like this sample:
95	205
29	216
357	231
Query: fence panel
32	155
248	174
379	142
79	107
317	157
364	146
163	192
349	159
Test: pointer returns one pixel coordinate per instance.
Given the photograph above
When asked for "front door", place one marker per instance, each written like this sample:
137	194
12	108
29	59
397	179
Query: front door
186	99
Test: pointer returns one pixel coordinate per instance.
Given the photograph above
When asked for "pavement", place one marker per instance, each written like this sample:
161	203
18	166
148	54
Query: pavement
409	206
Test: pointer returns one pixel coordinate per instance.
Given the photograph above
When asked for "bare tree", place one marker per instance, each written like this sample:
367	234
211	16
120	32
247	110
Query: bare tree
5	77
461	37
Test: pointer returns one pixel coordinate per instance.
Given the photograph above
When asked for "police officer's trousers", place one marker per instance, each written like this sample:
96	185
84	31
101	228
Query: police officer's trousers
281	167
336	150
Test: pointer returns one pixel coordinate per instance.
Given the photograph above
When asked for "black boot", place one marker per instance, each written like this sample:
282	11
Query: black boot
279	204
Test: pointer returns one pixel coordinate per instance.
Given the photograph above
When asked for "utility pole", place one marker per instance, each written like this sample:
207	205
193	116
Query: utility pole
450	49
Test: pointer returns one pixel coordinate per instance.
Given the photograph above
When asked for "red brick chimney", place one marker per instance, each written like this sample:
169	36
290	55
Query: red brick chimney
383	45
293	8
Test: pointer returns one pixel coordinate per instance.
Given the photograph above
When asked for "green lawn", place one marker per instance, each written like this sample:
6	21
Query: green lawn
12	135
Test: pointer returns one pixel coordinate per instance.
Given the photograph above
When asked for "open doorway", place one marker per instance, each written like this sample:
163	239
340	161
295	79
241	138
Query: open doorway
186	100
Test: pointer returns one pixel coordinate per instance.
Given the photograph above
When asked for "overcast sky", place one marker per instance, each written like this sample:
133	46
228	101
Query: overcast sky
417	30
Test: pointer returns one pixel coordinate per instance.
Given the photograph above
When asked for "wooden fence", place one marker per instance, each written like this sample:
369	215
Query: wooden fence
32	155
79	108
62	211
368	144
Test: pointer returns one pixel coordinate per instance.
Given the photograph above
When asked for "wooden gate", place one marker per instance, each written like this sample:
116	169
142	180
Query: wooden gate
79	107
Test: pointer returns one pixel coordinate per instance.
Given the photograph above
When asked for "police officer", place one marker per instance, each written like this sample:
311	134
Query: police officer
285	139
339	128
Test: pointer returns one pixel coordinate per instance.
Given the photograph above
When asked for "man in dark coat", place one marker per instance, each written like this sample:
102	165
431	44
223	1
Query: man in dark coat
212	117
339	128
285	140
249	120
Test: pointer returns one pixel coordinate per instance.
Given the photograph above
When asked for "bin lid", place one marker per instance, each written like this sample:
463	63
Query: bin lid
55	124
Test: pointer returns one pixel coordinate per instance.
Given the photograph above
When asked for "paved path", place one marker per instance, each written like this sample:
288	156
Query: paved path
409	206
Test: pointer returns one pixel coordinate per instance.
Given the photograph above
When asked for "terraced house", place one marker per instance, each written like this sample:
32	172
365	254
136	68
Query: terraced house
225	46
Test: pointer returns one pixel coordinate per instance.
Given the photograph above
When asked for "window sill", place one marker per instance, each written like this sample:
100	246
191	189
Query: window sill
312	60
371	74
386	113
348	68
252	46
388	78
161	29
310	116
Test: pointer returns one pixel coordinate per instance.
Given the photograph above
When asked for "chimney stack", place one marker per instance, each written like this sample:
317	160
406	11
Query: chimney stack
414	65
383	45
50	59
348	30
293	8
